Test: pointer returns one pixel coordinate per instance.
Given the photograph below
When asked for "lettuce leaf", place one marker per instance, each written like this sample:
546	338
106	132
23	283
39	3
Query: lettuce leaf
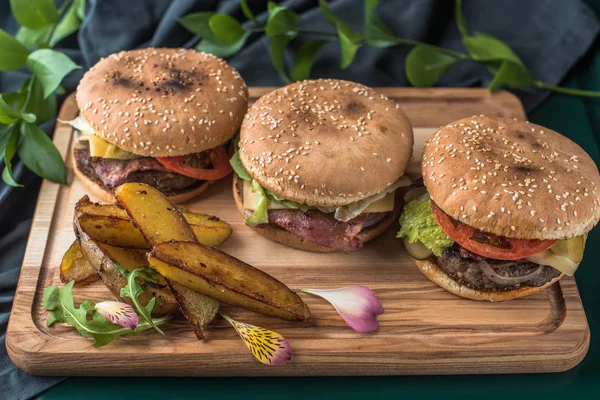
260	214
238	167
284	202
417	223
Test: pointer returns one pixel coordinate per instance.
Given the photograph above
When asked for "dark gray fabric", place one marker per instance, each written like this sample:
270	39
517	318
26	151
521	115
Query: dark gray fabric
550	36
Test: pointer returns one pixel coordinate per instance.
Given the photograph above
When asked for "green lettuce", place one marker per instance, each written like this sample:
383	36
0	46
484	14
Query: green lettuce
238	167
260	214
417	223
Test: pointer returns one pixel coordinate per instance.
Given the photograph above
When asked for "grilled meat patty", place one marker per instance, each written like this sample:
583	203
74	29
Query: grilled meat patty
482	273
110	173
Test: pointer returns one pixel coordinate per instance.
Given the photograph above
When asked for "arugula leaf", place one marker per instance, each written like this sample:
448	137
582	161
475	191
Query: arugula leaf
34	14
9	138
260	214
59	301
281	22
10	115
425	65
39	154
248	12
50	67
14	54
238	167
133	290
417	223
304	59
376	33
227	30
277	53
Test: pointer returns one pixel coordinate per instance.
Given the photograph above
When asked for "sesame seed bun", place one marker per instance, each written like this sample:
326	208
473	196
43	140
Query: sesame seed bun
163	102
512	178
325	142
435	274
287	238
101	193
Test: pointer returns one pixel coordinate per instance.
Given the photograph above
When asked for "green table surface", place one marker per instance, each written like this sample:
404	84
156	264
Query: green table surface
576	118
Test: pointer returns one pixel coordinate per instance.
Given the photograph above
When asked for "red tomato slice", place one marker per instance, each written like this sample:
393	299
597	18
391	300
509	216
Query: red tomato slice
487	244
218	157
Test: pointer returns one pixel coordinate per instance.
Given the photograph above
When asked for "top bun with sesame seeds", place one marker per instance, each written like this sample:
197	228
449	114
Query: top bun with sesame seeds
163	102
325	143
512	178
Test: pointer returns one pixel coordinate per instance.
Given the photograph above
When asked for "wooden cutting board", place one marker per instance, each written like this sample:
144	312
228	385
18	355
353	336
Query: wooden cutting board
424	329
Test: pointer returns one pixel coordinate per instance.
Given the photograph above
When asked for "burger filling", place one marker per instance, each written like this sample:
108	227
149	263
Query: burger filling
481	260
337	227
109	166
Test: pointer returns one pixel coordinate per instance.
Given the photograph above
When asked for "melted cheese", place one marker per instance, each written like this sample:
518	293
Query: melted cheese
251	199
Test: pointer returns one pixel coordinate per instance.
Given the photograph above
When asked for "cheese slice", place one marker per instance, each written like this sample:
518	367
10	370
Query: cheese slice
251	199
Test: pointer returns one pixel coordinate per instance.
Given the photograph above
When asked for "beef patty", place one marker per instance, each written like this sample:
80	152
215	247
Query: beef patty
477	272
110	173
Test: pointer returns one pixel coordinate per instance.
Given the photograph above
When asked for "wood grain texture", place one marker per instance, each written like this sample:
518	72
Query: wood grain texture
424	330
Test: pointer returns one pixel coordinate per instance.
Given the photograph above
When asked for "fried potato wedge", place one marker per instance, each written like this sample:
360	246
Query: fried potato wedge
111	225
75	267
158	221
101	257
222	277
195	308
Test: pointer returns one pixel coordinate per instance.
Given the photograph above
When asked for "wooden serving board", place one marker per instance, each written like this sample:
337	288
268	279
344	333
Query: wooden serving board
424	329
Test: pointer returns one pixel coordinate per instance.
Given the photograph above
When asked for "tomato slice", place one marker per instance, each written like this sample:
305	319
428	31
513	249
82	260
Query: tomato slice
218	157
487	244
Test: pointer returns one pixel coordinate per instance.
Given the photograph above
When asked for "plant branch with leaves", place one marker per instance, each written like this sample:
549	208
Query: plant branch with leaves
43	25
425	64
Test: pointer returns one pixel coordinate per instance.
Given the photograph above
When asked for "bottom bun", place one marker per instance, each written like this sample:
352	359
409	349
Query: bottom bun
438	276
105	195
287	238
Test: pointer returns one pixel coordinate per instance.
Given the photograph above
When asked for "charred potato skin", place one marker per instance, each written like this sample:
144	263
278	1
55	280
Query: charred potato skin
195	308
75	267
227	279
100	259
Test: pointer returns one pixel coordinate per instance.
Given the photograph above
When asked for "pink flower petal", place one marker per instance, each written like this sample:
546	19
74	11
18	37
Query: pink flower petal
268	347
118	313
357	305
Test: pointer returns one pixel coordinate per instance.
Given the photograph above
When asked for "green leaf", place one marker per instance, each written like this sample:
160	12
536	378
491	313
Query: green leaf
60	303
39	154
418	224
329	16
80	9
133	290
349	44
260	214
9	138
513	75
226	29
10	115
248	12
460	19
50	67
288	203
197	23
34	38
220	50
377	34
425	65
281	22
238	167
43	108
34	14
484	47
68	25
304	59
277	52
13	55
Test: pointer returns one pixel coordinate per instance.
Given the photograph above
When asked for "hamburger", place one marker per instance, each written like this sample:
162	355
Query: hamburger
319	163
507	208
157	116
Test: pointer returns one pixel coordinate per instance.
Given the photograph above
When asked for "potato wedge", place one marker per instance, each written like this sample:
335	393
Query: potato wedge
75	267
196	309
101	257
110	225
215	274
158	221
